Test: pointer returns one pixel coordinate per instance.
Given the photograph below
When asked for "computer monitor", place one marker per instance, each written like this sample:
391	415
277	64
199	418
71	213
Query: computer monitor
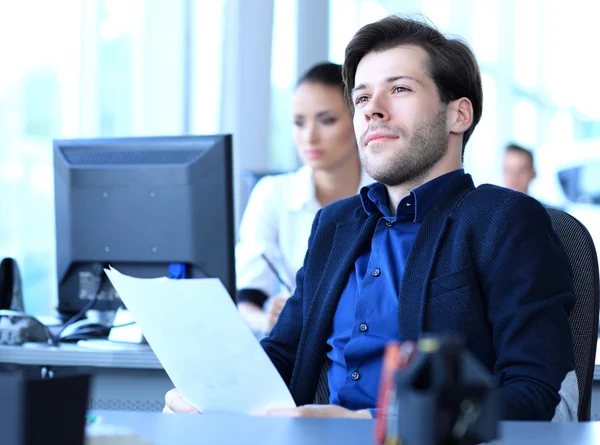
148	206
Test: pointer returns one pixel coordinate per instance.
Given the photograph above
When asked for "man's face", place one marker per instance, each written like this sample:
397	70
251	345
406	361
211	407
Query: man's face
399	121
517	171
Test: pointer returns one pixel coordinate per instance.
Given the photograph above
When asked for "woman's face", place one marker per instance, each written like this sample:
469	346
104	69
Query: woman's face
323	131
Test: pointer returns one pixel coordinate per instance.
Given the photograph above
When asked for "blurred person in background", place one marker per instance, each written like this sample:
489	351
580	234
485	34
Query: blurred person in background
276	224
518	168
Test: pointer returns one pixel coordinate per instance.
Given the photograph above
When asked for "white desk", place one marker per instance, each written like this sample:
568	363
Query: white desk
169	429
133	379
125	379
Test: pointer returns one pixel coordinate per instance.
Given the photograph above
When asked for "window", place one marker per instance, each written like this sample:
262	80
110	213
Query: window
90	68
206	53
525	122
486	31
483	141
39	92
347	17
526	47
282	154
438	11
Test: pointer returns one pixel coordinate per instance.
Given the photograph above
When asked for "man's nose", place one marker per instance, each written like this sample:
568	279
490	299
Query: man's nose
375	109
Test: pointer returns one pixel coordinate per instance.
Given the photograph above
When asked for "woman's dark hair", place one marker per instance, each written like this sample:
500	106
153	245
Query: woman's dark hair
326	73
452	64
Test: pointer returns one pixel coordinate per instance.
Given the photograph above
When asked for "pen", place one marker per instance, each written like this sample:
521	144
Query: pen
92	418
274	270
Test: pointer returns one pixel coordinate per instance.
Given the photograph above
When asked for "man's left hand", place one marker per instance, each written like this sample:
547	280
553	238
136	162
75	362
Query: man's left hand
319	411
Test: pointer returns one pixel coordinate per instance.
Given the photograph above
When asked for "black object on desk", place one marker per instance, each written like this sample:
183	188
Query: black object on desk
35	411
443	395
11	297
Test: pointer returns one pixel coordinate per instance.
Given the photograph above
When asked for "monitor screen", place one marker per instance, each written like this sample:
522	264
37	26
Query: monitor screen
148	206
582	183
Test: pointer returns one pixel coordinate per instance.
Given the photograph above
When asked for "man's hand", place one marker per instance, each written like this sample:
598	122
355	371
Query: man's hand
320	411
174	403
274	309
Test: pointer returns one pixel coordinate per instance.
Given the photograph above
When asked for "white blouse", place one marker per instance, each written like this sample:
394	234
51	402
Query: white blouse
277	223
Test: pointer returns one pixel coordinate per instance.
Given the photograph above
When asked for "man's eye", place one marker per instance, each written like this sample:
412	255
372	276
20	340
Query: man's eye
360	99
400	89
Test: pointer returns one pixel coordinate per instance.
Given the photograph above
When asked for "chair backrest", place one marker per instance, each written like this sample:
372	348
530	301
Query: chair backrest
581	252
250	178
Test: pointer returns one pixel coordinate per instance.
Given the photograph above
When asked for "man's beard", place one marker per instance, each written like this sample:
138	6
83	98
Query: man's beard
413	158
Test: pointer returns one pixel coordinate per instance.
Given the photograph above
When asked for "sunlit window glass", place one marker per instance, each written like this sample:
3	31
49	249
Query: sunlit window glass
39	100
343	23
485	35
207	69
283	76
525	122
527	42
479	159
561	128
438	11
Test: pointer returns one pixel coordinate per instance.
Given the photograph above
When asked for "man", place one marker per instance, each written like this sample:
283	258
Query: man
422	250
517	169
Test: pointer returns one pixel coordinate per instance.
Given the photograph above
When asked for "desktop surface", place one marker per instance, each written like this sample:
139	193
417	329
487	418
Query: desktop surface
226	429
94	353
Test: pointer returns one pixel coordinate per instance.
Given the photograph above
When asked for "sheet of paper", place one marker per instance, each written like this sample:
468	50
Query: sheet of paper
203	343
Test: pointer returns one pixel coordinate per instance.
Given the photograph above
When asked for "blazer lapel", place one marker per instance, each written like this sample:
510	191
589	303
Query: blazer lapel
349	239
415	280
413	288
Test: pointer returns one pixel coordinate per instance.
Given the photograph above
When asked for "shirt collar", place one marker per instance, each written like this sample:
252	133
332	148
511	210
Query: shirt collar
302	188
413	207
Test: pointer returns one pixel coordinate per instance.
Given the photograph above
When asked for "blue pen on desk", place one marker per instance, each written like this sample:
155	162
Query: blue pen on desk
274	270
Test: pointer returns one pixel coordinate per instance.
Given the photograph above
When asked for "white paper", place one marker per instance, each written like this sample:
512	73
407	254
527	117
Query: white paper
204	345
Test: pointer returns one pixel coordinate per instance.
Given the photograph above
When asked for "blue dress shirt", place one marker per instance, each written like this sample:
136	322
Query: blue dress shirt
366	318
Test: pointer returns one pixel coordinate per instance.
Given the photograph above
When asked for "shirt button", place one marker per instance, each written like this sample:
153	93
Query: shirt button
363	327
376	272
355	376
389	224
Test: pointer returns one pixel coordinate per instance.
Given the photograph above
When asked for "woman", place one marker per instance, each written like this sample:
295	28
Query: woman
277	221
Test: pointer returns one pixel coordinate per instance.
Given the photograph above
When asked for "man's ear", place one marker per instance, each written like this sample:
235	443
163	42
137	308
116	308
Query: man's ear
460	115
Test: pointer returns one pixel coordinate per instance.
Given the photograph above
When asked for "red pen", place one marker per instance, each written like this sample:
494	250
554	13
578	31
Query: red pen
396	356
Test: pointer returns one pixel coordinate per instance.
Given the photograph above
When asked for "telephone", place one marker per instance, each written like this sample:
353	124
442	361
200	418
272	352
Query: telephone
11	294
16	327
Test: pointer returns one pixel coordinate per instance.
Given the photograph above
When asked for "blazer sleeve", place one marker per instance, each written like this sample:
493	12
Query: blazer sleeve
527	282
258	234
281	345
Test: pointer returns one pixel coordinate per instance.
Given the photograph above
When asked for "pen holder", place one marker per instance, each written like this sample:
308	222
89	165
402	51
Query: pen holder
436	392
36	411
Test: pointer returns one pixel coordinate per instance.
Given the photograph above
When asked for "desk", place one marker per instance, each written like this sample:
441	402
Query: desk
126	379
133	379
163	429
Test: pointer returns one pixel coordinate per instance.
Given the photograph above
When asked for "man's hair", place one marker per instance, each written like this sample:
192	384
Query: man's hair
514	148
451	65
326	73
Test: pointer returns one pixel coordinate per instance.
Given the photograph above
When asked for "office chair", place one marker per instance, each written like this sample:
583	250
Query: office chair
249	180
581	252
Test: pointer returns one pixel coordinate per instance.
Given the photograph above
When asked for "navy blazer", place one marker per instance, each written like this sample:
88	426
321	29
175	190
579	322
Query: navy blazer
485	263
